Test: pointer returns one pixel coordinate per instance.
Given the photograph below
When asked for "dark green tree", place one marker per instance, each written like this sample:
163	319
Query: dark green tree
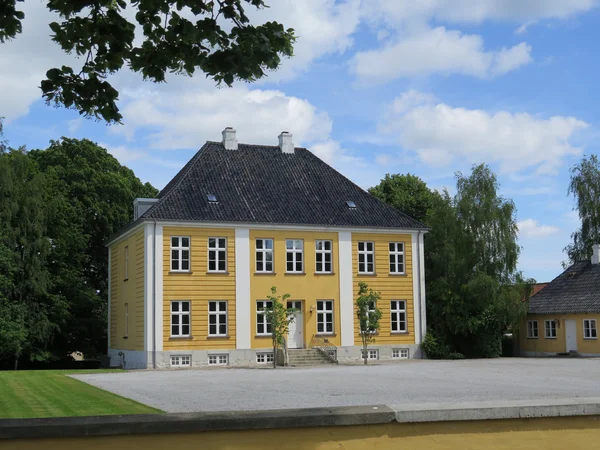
585	188
213	36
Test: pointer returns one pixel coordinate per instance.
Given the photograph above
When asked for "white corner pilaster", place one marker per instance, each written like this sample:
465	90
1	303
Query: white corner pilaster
242	288
416	269
148	285
422	284
158	307
346	300
109	291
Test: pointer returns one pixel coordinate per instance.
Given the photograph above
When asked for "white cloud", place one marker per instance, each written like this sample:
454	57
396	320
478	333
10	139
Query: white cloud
530	228
126	155
398	12
440	133
437	51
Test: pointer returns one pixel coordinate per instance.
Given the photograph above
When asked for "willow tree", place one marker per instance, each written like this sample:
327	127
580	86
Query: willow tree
585	188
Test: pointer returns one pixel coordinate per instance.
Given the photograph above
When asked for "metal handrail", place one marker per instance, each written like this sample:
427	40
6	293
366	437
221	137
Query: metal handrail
322	344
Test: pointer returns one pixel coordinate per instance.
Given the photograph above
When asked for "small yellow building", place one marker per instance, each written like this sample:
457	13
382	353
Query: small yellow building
190	275
563	316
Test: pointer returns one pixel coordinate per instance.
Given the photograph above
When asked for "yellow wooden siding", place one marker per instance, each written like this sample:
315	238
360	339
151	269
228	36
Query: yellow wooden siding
127	291
558	345
199	287
308	287
391	286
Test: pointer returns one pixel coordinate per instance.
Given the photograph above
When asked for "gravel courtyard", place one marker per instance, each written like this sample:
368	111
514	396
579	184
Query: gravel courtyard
409	382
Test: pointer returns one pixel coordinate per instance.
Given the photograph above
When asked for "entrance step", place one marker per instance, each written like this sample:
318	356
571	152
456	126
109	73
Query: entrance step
307	357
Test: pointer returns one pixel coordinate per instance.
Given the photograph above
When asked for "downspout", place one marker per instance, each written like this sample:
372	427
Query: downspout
419	285
154	296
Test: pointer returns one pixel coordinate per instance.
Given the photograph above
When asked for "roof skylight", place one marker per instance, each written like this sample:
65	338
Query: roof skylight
212	198
351	204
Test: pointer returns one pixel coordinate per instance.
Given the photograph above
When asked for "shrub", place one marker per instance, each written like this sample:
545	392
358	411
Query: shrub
433	348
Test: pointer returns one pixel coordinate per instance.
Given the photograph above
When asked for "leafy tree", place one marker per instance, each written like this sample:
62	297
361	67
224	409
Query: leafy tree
280	319
368	316
214	36
407	193
93	199
585	188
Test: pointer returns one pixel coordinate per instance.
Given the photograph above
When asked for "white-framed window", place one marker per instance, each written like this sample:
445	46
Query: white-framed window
589	329
264	255
180	318
217	318
180	253
217	254
366	257
550	326
264	358
397	257
181	360
532	329
372	307
400	353
325	316
323	251
127	319
218	360
398	316
263	327
294	252
127	262
372	353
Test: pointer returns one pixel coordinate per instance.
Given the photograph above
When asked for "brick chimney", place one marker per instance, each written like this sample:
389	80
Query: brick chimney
285	142
229	140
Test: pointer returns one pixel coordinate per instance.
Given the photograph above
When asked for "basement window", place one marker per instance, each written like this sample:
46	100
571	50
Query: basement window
400	353
218	360
181	360
264	358
212	198
371	354
351	204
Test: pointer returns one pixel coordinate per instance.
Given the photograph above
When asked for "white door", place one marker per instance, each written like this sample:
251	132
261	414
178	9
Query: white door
571	333
295	337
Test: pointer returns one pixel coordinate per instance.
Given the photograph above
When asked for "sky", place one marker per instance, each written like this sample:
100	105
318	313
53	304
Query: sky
375	86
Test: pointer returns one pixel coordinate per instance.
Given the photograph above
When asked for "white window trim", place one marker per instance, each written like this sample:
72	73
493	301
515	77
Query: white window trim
324	312
595	328
370	311
218	313
219	359
530	329
294	251
546	329
127	262
403	353
264	320
323	252
398	321
180	248
366	253
180	313
179	359
267	358
217	251
397	255
264	252
126	319
372	354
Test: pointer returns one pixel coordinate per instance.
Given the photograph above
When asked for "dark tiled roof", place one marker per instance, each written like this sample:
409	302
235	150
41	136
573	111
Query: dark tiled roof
576	290
261	184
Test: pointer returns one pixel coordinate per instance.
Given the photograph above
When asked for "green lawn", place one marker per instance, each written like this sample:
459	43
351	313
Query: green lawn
50	393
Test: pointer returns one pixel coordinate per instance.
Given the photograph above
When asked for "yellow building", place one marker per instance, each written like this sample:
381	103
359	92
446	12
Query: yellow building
563	316
190	275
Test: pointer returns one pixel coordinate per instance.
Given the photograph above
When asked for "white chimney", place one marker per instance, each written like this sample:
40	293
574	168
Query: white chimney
285	142
141	205
229	141
595	253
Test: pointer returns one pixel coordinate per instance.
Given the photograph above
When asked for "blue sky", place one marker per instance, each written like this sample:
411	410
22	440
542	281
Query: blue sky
375	87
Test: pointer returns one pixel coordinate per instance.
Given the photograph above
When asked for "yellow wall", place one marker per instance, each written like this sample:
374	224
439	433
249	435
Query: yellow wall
130	291
573	433
558	345
308	287
392	287
199	287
